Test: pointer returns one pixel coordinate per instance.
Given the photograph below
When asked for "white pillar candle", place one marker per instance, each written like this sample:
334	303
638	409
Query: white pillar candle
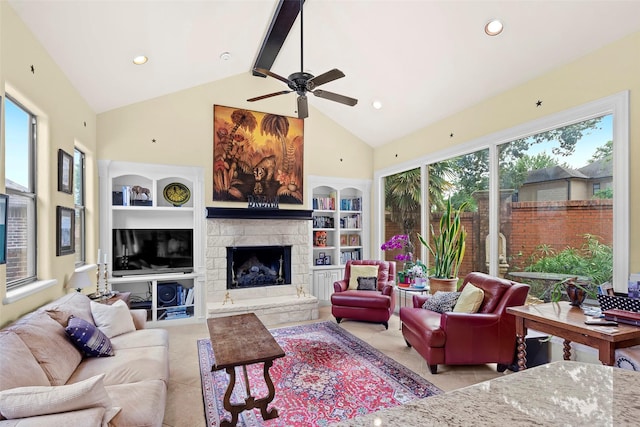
98	260
105	259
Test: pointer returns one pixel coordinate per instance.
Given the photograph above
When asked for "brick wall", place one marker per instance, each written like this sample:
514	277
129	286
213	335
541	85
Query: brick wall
526	225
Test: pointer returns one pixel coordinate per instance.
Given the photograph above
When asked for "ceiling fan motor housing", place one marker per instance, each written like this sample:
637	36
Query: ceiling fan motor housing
298	82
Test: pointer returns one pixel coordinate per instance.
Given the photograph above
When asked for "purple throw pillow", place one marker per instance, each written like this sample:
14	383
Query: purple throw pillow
88	338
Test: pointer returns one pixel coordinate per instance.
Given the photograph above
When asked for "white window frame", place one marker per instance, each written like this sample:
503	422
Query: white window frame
616	105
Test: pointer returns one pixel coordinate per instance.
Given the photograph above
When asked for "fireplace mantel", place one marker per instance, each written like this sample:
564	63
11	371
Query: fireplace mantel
246	213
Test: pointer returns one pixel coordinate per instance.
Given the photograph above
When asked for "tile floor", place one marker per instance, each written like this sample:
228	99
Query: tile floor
184	400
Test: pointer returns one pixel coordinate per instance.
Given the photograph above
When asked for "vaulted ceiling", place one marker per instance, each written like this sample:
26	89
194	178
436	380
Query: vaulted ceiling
423	60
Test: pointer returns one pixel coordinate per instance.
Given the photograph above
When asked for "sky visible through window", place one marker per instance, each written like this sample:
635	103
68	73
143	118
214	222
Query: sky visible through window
16	143
586	147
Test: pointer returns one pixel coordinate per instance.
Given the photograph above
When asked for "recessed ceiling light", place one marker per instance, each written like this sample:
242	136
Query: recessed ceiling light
140	59
225	56
493	27
377	104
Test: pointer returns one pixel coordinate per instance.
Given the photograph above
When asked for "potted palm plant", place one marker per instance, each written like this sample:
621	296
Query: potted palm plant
447	250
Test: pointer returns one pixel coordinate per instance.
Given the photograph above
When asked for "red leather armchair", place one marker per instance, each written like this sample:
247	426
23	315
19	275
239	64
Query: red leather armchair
451	338
370	306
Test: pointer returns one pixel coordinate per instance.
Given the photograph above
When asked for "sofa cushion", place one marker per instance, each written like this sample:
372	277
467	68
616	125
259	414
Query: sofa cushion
49	344
469	300
25	370
32	401
141	338
88	338
441	301
127	366
128	396
361	271
361	299
74	303
367	283
114	319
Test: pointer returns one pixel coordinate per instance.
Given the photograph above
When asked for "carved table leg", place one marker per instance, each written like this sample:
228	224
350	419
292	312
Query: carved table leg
233	409
262	403
522	353
566	352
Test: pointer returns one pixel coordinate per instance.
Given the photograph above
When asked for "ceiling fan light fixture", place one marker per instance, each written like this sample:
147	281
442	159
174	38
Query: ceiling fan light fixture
493	27
140	60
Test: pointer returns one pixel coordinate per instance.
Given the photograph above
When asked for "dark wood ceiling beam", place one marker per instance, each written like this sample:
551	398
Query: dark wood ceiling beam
286	14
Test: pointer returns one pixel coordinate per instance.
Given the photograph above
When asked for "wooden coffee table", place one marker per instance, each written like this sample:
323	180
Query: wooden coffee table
243	340
565	321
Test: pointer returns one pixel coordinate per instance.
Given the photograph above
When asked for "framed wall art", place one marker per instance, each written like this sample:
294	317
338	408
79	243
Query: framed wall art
65	172
65	231
4	207
257	154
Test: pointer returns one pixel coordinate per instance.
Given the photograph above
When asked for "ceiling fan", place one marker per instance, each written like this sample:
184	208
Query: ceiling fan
301	82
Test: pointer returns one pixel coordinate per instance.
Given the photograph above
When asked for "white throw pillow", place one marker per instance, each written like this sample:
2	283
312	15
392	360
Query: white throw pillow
361	271
24	402
112	320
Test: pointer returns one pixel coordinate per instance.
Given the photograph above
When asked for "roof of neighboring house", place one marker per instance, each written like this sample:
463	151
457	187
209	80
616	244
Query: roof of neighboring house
553	173
599	169
602	168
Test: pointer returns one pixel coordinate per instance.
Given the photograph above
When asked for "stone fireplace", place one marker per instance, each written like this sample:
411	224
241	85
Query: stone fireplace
256	266
242	228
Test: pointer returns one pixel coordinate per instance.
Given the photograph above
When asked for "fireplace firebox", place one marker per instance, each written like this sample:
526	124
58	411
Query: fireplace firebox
257	266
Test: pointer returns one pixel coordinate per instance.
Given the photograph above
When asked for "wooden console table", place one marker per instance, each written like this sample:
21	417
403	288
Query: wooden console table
243	340
565	321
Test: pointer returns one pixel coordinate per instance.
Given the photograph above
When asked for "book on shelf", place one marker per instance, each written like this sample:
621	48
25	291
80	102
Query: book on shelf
189	299
350	221
351	204
327	203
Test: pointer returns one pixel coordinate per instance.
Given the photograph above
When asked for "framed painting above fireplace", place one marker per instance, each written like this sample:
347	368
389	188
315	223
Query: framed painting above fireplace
257	154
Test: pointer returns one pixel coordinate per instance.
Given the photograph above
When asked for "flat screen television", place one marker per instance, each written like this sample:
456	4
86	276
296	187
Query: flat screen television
151	251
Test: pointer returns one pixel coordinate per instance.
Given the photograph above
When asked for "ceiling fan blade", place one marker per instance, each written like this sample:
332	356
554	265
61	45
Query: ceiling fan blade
335	97
258	98
327	77
303	107
274	75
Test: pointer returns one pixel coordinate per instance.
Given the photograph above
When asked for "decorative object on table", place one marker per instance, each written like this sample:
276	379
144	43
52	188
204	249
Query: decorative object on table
327	260
4	205
176	193
402	242
65	172
576	291
65	231
367	382
258	154
447	249
78	281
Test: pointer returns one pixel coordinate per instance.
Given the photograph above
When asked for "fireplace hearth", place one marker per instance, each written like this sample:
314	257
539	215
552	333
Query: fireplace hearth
258	266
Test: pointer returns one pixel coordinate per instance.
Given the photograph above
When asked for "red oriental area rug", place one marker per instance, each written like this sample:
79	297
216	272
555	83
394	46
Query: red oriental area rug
327	376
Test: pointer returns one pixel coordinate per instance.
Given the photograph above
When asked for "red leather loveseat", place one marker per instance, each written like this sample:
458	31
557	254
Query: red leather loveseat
367	305
454	338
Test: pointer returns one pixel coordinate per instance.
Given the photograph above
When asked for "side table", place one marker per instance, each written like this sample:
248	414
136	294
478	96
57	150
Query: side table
402	301
120	296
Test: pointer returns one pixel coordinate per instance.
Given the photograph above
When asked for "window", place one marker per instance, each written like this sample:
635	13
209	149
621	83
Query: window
557	227
79	202
20	139
570	162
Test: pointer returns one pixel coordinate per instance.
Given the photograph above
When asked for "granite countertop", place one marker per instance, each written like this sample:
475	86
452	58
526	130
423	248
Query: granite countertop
559	393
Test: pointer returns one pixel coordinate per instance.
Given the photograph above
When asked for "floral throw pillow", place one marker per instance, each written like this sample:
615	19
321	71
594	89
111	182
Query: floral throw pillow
441	301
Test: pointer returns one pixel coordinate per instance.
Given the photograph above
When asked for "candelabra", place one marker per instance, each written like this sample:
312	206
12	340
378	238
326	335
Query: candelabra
227	297
107	291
